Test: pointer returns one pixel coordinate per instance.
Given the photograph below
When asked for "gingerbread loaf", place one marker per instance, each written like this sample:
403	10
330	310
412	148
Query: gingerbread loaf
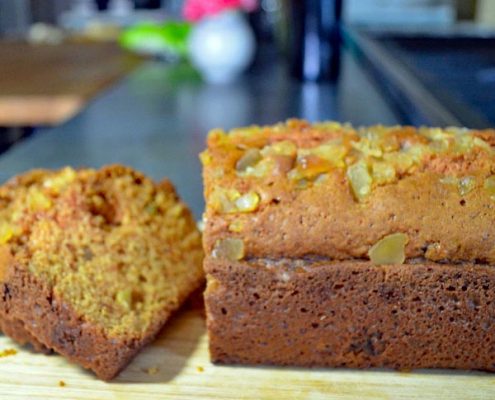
333	246
93	262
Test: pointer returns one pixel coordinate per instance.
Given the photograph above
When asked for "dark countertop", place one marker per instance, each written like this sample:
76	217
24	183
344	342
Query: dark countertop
435	77
157	118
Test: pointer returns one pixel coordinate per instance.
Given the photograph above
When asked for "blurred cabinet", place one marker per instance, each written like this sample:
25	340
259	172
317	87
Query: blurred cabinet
485	13
15	16
401	13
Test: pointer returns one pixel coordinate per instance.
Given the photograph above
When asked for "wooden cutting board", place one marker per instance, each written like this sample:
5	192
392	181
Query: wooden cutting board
176	366
47	84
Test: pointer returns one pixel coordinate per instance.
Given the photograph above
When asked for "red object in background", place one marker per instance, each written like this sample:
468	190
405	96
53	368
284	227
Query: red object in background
195	10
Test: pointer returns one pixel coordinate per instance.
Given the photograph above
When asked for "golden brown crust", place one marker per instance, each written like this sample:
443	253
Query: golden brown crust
438	198
351	313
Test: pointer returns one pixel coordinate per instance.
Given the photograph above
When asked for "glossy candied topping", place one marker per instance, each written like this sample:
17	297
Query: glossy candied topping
464	184
59	180
489	185
231	201
236	226
303	155
389	250
231	249
7	232
359	179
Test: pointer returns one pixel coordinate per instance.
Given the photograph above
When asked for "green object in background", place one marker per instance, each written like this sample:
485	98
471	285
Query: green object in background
168	39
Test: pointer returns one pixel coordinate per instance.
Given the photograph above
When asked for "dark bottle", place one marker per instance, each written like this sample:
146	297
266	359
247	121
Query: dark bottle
314	39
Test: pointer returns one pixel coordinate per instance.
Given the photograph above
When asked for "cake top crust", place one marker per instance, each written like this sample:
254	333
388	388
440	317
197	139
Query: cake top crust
298	155
327	189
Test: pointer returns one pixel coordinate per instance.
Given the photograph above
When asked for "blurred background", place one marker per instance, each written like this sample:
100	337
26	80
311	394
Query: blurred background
90	82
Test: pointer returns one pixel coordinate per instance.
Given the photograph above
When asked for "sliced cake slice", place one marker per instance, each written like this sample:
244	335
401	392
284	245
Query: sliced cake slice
93	262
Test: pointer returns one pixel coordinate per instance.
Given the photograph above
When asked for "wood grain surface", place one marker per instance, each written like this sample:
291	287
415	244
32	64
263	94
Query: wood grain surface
176	366
47	84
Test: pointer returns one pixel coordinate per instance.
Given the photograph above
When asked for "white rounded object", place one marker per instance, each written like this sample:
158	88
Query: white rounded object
221	47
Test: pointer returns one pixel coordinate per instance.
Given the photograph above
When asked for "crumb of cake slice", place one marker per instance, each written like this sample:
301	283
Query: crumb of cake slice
8	352
93	262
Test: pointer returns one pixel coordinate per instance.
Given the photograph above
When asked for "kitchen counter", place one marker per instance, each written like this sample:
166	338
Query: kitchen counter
44	85
434	77
156	119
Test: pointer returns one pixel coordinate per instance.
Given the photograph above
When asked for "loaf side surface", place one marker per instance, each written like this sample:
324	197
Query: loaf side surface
351	314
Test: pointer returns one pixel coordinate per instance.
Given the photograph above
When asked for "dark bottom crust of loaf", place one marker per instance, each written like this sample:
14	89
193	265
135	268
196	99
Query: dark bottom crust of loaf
351	314
56	326
15	330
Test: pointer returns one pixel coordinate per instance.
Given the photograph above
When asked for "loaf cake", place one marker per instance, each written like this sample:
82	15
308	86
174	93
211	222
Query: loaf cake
93	262
327	245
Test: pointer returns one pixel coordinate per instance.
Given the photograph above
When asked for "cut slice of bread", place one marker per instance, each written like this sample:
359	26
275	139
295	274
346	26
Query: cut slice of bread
93	262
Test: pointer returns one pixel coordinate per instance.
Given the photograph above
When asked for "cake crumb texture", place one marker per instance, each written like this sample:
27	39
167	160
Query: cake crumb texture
109	250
